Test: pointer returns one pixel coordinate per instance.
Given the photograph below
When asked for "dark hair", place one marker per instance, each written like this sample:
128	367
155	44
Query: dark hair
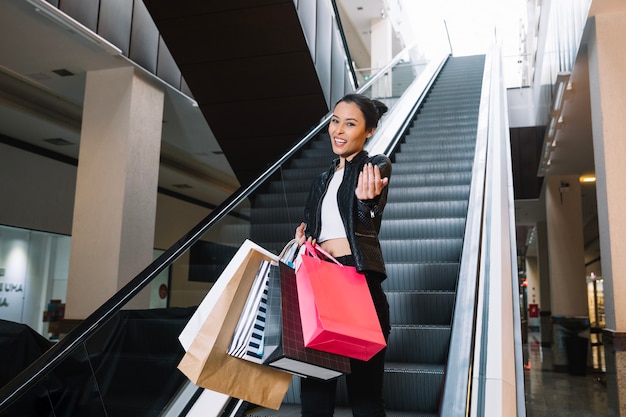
372	109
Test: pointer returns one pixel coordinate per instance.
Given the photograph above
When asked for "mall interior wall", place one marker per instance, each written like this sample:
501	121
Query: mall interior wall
38	192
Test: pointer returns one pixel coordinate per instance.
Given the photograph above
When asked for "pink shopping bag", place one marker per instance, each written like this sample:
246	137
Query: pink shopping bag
336	307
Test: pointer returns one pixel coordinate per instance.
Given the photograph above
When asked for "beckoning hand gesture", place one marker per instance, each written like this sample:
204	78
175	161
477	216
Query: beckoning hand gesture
370	185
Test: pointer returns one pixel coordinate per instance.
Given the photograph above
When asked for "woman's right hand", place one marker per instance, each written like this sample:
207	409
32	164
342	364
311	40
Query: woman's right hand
300	236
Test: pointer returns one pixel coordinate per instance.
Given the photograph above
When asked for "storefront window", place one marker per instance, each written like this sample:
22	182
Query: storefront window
33	277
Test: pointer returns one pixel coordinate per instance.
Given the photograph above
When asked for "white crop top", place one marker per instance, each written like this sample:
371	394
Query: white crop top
332	226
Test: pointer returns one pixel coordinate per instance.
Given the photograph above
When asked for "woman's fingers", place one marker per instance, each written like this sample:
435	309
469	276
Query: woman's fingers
300	236
369	184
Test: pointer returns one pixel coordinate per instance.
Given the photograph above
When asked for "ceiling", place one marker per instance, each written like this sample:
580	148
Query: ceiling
42	76
43	62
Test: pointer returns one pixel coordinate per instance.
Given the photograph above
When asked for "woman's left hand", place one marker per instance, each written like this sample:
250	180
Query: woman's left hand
370	185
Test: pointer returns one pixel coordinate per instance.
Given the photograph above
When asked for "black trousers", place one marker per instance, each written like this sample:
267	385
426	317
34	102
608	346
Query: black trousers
365	381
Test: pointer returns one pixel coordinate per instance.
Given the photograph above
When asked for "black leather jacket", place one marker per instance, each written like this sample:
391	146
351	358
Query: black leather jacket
361	219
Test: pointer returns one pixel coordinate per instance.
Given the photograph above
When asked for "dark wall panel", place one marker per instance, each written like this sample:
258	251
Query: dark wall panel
84	11
163	10
115	22
144	39
266	78
526	146
167	69
233	34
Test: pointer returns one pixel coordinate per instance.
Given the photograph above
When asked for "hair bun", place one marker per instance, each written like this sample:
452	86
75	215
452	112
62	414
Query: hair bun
380	107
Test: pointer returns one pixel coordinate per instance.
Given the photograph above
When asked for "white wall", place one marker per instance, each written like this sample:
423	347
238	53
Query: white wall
35	266
37	192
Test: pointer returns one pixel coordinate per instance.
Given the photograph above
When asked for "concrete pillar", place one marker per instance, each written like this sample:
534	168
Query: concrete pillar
568	286
116	188
607	65
381	54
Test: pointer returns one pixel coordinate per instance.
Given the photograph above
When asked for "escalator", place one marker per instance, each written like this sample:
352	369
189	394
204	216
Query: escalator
421	237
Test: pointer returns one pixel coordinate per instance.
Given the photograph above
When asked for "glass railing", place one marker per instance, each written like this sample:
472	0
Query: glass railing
88	372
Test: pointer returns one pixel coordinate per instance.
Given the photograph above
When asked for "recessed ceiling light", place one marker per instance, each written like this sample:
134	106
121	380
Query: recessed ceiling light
58	141
62	72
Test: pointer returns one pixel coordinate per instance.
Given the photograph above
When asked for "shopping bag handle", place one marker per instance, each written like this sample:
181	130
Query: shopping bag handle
314	251
289	252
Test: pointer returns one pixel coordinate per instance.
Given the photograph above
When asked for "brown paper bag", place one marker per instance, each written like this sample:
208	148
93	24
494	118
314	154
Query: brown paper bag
206	362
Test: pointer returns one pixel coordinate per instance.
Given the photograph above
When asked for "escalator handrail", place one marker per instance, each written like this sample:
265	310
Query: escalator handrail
458	377
38	369
499	306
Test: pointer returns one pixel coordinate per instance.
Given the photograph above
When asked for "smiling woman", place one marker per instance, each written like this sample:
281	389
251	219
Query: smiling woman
343	215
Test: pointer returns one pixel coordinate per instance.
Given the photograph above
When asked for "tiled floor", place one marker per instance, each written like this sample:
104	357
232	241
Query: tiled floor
558	394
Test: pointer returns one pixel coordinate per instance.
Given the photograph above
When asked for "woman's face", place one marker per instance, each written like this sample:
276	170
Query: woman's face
347	130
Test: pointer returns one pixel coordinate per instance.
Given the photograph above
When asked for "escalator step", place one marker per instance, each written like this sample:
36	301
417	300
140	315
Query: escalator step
431	180
440	193
278	200
425	209
421	307
324	155
303	174
293	214
453	121
406	344
422	250
434	156
434	100
423	228
421	276
290	186
273	232
420	144
467	113
320	164
431	167
445	108
423	382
